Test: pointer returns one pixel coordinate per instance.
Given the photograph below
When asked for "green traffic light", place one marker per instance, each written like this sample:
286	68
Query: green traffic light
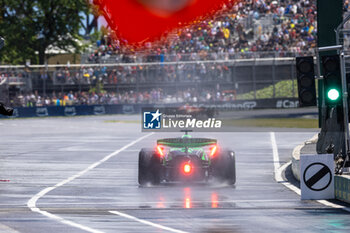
333	94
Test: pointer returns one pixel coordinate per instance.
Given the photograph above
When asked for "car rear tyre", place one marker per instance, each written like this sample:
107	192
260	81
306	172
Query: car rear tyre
149	169
224	166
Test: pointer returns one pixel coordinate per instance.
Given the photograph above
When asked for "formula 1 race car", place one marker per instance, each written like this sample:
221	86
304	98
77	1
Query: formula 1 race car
186	159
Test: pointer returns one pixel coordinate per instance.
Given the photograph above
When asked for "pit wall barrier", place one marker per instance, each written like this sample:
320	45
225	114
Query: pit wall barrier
342	188
84	110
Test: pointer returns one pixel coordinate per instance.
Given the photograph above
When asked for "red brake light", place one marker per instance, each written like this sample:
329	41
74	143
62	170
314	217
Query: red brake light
160	151
188	203
187	168
214	200
213	150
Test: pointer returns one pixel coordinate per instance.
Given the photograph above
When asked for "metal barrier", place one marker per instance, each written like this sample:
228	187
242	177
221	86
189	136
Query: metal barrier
86	59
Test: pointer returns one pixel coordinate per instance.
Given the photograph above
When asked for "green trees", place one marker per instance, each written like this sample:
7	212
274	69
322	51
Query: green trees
30	27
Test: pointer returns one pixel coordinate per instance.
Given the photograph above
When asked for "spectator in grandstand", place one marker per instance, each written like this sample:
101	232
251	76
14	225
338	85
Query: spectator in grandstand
238	29
2	78
156	95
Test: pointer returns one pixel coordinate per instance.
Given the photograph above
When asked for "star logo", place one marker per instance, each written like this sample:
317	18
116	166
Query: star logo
156	115
152	119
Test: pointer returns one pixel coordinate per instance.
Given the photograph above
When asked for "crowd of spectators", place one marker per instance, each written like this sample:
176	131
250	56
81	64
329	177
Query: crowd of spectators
2	78
248	28
141	74
114	75
156	95
12	75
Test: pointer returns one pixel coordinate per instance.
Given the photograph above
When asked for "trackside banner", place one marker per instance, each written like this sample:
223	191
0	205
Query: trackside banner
81	110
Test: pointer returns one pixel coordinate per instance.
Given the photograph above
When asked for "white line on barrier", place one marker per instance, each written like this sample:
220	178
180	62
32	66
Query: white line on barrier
32	202
279	178
146	222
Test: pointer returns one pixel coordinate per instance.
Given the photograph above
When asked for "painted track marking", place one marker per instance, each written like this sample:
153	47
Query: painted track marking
276	159
146	222
279	178
32	202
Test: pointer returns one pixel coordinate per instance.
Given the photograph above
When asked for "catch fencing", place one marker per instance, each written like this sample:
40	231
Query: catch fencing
207	80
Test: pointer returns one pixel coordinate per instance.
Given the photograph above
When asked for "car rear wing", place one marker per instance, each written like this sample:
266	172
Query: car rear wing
186	142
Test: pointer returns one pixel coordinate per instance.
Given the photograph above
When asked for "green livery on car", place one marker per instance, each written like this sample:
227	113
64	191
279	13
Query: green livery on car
186	159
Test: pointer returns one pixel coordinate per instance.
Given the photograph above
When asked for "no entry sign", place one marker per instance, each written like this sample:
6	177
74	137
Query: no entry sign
316	173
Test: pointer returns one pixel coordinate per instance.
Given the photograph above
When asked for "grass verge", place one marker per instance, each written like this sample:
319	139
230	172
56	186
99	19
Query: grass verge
274	122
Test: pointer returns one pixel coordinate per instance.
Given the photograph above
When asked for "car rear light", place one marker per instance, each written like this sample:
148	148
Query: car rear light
213	151
187	168
160	151
188	203
214	200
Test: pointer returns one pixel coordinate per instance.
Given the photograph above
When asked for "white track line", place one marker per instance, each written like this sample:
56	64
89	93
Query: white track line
276	159
146	222
32	202
279	178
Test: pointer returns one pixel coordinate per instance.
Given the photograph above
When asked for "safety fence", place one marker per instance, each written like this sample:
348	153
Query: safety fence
188	81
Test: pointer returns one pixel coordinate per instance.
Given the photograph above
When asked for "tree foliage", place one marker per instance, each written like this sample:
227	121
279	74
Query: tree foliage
30	27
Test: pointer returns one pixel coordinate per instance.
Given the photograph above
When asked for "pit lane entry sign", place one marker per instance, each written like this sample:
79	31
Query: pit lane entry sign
317	176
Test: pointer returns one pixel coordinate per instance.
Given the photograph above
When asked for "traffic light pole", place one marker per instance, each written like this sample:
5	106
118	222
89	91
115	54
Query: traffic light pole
333	107
329	16
334	135
345	107
345	89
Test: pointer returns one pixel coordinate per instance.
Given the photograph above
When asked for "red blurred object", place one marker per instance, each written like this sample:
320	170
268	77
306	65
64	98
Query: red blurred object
140	21
214	200
213	150
188	204
187	168
160	151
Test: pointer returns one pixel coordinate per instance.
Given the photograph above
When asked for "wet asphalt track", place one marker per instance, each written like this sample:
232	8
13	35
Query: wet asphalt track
41	153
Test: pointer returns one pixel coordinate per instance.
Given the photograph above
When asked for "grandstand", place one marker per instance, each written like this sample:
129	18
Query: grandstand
217	59
263	26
